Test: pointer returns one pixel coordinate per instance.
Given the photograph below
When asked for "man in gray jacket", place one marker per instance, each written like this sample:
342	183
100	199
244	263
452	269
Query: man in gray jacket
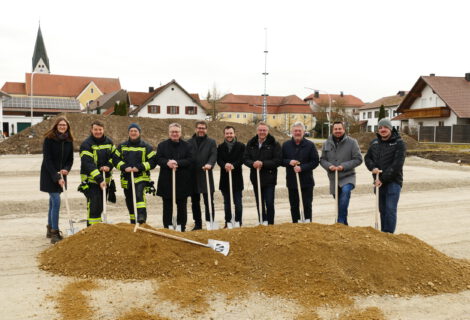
205	157
341	153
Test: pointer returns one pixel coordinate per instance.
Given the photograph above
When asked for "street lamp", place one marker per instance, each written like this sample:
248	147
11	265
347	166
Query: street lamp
329	105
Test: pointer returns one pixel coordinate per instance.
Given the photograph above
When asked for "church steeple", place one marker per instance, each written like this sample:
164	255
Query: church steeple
40	59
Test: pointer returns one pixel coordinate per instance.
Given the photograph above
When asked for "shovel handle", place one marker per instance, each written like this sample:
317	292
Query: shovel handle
105	216
170	236
299	188
134	201
231	196
377	202
260	208
64	189
173	196
336	196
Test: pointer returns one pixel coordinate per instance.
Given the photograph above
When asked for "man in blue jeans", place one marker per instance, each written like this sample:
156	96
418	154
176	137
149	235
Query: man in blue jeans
385	158
341	153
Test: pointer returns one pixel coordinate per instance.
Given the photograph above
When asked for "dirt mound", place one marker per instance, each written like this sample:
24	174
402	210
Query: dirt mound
326	263
153	131
364	139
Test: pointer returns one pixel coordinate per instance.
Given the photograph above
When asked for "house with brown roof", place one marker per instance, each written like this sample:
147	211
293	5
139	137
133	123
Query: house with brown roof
282	111
436	101
343	104
43	94
168	101
369	113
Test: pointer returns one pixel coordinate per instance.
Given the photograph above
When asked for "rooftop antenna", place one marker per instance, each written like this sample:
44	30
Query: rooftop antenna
265	74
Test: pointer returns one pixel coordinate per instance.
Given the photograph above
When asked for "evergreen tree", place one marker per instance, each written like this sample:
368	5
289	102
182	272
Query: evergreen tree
381	112
120	109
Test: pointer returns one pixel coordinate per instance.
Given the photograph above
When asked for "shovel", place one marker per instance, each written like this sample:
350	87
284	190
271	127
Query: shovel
222	247
212	224
377	202
260	210
301	207
105	215
71	231
134	201
336	196
233	223
175	226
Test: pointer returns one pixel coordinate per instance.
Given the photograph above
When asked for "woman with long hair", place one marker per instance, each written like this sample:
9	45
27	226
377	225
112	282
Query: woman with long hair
57	163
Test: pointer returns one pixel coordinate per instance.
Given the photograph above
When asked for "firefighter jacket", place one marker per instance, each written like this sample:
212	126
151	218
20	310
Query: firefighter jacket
94	154
138	154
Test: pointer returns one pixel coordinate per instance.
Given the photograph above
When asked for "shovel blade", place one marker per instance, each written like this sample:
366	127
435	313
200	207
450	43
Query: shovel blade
71	232
222	247
176	228
230	225
304	221
265	223
212	226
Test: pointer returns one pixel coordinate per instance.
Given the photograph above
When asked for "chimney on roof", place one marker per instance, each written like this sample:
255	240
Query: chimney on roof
467	76
151	89
316	94
432	74
341	94
401	93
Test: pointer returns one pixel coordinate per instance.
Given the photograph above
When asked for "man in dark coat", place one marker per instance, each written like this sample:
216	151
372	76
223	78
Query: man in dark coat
96	157
300	155
341	153
135	155
230	158
385	158
204	158
264	153
174	154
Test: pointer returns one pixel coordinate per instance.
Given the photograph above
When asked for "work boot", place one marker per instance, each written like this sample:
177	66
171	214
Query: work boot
141	218
56	236
48	233
197	227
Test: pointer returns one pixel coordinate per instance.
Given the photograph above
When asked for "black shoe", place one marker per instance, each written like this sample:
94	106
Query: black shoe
141	221
56	236
197	227
48	233
132	221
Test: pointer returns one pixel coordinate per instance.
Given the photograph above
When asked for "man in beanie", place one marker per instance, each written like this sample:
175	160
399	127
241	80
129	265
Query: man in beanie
135	155
341	153
385	158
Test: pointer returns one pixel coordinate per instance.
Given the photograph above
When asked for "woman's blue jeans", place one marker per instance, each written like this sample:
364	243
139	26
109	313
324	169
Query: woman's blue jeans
54	207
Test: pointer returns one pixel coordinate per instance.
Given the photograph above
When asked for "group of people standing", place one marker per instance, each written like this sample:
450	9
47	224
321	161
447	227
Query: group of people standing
189	165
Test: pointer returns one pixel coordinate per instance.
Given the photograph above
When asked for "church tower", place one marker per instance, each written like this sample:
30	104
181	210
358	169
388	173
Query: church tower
40	59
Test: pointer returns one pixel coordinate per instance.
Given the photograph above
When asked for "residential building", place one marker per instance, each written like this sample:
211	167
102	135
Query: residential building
43	94
168	101
3	126
343	104
436	101
282	111
369	113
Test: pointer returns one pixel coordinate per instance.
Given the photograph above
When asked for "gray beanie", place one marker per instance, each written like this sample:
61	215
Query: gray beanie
134	125
385	123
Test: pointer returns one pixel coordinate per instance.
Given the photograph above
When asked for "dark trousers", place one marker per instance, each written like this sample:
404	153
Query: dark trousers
237	200
140	199
267	202
94	204
307	198
196	207
181	215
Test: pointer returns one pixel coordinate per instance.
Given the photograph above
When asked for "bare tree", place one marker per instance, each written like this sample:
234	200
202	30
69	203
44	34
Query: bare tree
213	99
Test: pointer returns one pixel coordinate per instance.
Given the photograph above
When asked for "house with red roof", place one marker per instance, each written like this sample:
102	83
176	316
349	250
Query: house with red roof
438	108
342	104
369	113
282	111
168	101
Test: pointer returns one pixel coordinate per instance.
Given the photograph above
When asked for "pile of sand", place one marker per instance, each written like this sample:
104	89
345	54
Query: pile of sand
153	131
312	264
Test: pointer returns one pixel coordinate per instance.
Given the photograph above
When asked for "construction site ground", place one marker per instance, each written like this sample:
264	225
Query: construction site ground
434	207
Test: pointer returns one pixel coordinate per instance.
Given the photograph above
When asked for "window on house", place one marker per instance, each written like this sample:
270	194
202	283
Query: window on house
386	113
238	115
376	128
274	117
376	114
441	123
153	109
229	115
369	128
91	90
363	115
420	123
191	110
369	115
244	116
172	109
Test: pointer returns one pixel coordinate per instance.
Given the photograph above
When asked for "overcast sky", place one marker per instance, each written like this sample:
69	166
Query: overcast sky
369	49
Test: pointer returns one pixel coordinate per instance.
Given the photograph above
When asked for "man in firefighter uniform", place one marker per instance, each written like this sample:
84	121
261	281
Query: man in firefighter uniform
96	157
135	155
